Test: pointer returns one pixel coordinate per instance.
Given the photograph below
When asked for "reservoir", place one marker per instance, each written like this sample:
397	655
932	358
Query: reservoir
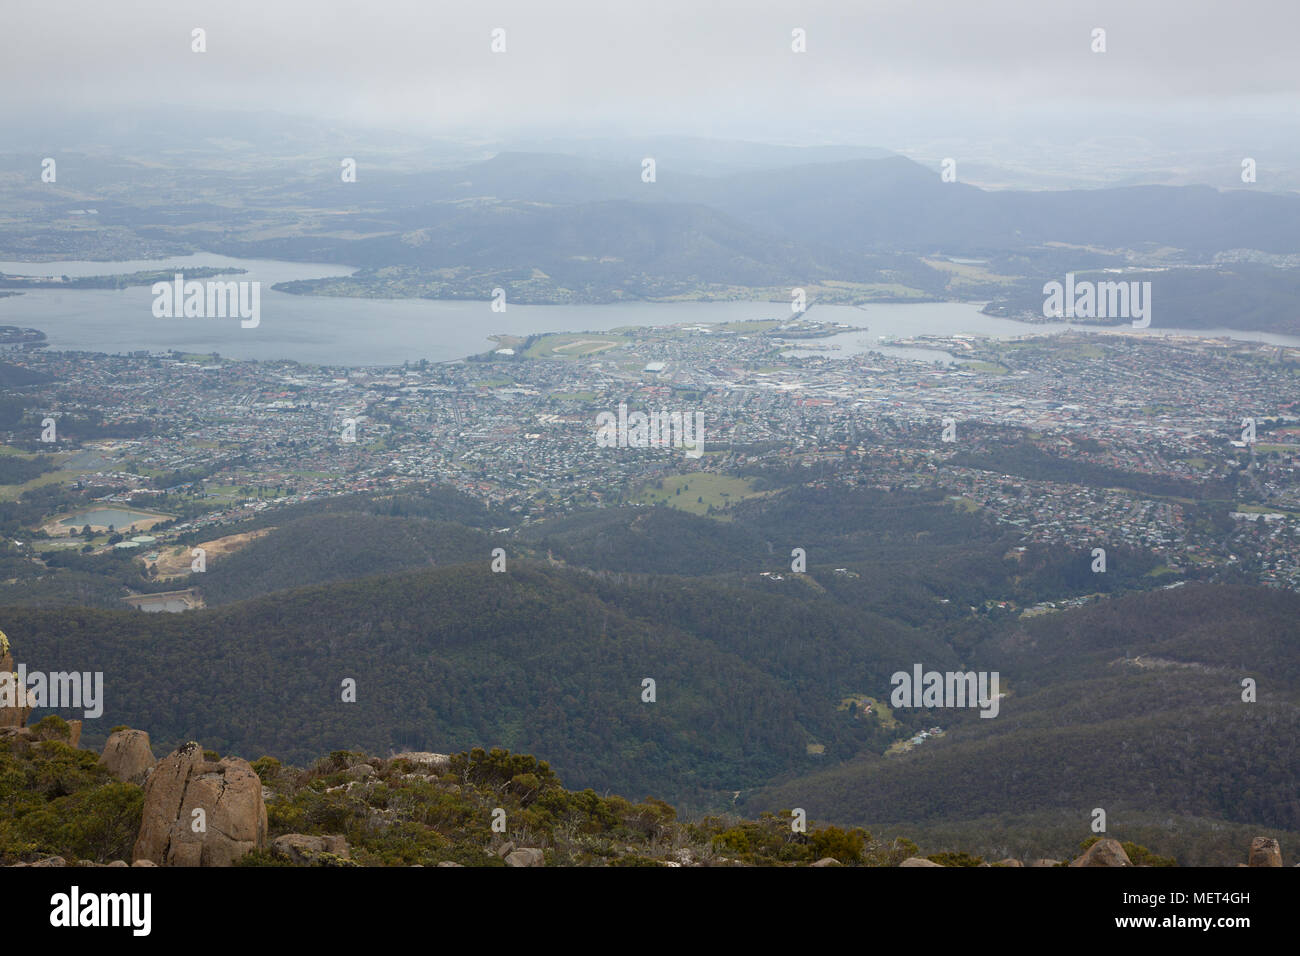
120	519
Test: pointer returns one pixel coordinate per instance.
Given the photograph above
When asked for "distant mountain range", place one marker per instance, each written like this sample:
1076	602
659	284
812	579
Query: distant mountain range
726	220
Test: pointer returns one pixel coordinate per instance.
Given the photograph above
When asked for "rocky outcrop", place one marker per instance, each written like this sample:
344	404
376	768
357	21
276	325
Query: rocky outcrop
1104	853
14	711
229	793
827	861
1009	861
47	861
308	850
436	763
128	756
1265	851
526	856
918	861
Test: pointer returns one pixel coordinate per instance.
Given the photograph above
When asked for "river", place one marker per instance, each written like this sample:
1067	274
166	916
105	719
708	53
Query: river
357	332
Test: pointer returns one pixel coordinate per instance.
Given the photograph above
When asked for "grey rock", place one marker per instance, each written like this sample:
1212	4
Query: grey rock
303	849
526	856
128	756
228	792
1104	853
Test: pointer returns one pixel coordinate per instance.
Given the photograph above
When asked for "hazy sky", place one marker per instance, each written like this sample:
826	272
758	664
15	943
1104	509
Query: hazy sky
723	67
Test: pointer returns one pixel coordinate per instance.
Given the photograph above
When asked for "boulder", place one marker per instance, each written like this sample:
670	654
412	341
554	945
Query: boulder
304	849
1009	861
228	792
824	861
505	849
526	856
918	861
1104	853
128	756
1046	861
1265	851
450	863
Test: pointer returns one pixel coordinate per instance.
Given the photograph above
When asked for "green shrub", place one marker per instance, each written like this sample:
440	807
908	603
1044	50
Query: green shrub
52	727
845	846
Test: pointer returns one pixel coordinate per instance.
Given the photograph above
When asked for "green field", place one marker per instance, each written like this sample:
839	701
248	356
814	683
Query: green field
230	494
573	346
1160	571
1264	510
879	709
573	396
698	492
11	492
747	326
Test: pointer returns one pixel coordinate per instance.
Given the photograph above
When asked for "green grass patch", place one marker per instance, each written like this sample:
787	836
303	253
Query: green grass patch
1160	571
574	346
879	710
11	492
697	492
574	396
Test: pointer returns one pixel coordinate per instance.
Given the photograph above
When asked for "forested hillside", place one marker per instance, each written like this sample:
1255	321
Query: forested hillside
771	686
1133	705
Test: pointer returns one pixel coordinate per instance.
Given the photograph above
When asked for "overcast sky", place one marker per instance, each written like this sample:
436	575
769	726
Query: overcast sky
695	66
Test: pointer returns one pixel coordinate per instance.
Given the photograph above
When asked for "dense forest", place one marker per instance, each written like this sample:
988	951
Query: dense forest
1130	699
